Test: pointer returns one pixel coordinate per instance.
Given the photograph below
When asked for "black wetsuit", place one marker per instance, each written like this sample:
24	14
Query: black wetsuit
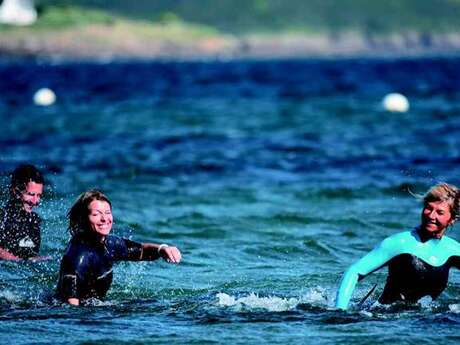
19	231
416	268
86	268
410	278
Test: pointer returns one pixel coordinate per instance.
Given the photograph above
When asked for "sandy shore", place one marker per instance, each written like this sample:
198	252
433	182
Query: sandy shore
103	42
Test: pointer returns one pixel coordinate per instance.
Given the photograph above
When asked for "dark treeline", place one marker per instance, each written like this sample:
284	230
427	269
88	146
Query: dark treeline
245	16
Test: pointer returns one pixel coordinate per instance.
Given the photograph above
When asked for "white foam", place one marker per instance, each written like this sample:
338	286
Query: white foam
316	295
10	296
94	302
254	301
366	313
271	303
226	300
454	308
425	302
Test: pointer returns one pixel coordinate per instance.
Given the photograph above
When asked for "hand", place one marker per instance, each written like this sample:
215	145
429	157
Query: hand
73	301
171	254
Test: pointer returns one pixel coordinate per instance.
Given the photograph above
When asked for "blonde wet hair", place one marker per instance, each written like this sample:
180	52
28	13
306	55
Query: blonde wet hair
445	192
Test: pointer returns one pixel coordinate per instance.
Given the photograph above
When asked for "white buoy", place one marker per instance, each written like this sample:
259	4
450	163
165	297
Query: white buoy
395	102
44	97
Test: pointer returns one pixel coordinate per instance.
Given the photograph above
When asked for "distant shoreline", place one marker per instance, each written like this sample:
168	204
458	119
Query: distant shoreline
103	43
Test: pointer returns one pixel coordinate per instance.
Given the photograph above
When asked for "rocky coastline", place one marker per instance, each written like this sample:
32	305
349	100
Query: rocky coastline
106	43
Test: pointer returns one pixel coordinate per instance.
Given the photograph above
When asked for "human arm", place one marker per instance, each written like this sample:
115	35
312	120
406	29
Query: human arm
68	287
371	262
6	255
153	251
4	239
125	249
455	261
72	276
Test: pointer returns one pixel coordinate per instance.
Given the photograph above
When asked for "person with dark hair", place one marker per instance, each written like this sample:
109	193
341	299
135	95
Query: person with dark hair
419	260
19	224
86	267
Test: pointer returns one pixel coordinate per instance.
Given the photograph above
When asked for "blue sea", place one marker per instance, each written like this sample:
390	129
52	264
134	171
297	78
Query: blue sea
272	177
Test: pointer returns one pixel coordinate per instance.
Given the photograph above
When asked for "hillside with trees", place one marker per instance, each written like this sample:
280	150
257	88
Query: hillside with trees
188	28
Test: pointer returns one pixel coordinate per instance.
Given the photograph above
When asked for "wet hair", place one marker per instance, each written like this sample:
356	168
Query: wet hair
445	192
22	175
78	213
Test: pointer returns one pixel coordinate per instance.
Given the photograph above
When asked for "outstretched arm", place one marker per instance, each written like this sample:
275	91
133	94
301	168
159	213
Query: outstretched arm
153	251
371	262
6	255
134	251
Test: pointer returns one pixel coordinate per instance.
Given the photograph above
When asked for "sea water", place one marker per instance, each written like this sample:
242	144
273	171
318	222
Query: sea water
272	177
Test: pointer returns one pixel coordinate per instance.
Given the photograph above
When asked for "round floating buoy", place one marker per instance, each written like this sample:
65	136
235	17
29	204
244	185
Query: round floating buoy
44	97
395	102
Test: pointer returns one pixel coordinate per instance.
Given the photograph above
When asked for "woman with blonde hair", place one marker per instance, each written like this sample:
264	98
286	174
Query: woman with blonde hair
86	268
419	260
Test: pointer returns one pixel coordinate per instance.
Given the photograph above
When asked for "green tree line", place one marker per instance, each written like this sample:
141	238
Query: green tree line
269	16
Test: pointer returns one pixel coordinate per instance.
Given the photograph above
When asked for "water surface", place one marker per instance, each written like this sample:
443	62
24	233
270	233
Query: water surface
272	178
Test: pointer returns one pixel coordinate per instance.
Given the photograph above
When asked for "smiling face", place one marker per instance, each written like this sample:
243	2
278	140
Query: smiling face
31	195
100	217
436	216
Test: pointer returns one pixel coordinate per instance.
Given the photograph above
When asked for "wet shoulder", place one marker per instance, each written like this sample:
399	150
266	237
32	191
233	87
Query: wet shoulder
451	246
114	241
78	252
400	242
115	245
434	252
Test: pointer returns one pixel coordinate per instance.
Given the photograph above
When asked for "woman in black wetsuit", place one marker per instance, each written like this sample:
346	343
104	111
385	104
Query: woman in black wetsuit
86	268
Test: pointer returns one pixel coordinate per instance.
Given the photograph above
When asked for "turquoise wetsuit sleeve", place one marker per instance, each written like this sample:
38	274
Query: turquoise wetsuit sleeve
371	262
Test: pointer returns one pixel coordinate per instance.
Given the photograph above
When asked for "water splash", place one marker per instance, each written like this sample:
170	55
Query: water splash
315	296
454	308
10	297
94	302
425	302
254	301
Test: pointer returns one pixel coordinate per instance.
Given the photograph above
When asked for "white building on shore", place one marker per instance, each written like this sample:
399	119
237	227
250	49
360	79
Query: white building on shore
18	12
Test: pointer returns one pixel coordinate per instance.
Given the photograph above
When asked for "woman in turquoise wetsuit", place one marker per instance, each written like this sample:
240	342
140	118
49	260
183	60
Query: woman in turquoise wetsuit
419	260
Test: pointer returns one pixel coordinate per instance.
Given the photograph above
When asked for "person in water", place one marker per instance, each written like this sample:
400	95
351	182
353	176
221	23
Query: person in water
419	260
19	224
86	268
